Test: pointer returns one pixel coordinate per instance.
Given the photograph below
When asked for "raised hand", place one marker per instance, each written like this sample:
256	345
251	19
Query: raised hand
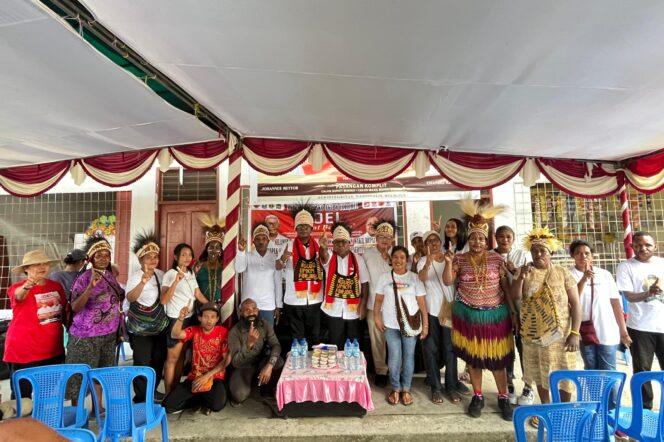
184	311
253	336
241	243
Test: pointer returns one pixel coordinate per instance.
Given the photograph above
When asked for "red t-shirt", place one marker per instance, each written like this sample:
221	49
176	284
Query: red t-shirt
35	331
208	349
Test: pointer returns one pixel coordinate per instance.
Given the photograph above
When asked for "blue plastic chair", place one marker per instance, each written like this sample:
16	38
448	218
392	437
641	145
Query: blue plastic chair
77	434
637	422
593	385
566	422
49	383
124	418
625	354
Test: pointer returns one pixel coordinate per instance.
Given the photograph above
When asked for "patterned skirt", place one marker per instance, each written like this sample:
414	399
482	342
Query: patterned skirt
482	337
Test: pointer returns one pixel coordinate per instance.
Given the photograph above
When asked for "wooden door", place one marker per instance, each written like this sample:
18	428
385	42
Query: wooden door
180	222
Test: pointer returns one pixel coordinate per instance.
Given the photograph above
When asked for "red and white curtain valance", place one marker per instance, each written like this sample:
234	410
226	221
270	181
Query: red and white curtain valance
369	164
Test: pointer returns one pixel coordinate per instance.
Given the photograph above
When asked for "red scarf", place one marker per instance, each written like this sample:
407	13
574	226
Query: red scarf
343	287
305	270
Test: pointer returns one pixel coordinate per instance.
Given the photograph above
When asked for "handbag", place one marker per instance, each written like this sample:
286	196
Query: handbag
147	320
409	325
587	330
445	313
540	324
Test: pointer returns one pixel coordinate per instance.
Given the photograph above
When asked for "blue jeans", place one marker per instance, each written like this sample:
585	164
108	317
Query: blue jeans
400	358
601	357
267	315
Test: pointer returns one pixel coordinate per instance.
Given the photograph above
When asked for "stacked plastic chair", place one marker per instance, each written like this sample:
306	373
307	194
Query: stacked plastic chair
593	385
639	423
77	434
48	394
124	418
566	422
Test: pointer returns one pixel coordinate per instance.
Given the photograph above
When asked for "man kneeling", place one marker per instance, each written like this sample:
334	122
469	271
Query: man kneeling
248	340
204	386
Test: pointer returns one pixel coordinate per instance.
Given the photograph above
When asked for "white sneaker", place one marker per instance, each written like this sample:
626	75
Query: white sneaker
513	398
527	397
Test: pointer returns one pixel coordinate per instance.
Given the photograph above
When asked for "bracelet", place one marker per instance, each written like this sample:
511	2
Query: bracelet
574	332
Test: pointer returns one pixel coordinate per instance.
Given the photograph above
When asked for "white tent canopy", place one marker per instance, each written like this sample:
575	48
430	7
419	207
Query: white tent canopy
61	99
563	79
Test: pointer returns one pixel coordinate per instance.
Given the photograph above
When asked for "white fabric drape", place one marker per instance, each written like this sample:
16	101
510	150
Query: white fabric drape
475	178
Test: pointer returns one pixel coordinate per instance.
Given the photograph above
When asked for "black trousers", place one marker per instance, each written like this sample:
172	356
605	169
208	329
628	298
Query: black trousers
510	364
438	353
243	377
148	351
304	322
182	397
644	346
341	329
24	385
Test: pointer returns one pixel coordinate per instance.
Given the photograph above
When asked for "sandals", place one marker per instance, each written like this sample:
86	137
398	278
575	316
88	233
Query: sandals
406	398
437	397
393	397
454	396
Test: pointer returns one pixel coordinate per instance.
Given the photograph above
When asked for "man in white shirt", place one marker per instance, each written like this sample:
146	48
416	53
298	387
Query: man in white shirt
277	241
640	280
347	284
417	243
378	262
303	272
262	281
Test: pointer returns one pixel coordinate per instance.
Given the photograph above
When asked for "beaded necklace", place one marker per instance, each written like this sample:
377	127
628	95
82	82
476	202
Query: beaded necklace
213	281
480	270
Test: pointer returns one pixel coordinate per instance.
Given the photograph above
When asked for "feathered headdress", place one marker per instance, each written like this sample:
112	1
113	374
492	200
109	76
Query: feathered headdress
260	229
385	226
96	243
145	242
215	229
479	215
341	230
541	236
303	213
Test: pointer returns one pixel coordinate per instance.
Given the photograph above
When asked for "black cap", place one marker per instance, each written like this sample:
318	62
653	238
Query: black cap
76	255
209	306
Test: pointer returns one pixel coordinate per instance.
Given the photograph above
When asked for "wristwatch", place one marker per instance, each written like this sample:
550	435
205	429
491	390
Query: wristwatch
272	361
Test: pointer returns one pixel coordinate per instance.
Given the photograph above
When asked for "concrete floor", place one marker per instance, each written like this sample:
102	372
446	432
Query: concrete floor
422	421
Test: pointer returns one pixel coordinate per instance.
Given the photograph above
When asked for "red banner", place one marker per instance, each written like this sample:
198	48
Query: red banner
359	216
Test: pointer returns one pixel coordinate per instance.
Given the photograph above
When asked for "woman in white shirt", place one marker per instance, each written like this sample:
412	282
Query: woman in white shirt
390	319
178	289
147	322
601	303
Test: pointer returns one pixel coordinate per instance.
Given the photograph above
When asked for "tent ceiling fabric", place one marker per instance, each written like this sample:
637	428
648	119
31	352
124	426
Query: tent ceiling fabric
564	79
61	99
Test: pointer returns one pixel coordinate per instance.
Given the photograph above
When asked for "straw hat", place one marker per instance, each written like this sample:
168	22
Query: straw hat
34	257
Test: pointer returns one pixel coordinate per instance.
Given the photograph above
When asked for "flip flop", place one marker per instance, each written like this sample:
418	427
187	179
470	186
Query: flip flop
454	396
406	398
393	397
437	397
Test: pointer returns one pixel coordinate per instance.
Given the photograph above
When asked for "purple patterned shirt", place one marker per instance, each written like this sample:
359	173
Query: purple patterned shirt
101	314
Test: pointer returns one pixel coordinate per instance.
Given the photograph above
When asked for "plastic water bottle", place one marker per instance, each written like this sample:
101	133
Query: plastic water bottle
348	354
304	352
294	355
356	363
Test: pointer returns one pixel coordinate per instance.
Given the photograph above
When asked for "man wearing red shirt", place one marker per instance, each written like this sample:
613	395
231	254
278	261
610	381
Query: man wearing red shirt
204	386
34	337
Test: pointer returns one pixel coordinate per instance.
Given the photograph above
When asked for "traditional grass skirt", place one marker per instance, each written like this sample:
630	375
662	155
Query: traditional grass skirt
482	337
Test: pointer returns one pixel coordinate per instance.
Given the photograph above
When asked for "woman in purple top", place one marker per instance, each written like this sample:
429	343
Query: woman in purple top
96	298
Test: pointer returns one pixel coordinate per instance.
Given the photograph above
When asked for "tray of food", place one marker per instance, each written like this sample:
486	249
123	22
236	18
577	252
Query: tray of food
324	356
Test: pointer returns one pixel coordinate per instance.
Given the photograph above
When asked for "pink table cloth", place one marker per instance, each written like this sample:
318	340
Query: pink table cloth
324	385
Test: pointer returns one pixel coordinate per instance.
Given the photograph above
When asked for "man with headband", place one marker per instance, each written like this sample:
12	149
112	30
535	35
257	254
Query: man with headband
262	281
377	260
347	284
303	273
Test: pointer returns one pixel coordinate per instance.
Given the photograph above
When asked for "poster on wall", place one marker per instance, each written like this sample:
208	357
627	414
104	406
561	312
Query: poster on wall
360	216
